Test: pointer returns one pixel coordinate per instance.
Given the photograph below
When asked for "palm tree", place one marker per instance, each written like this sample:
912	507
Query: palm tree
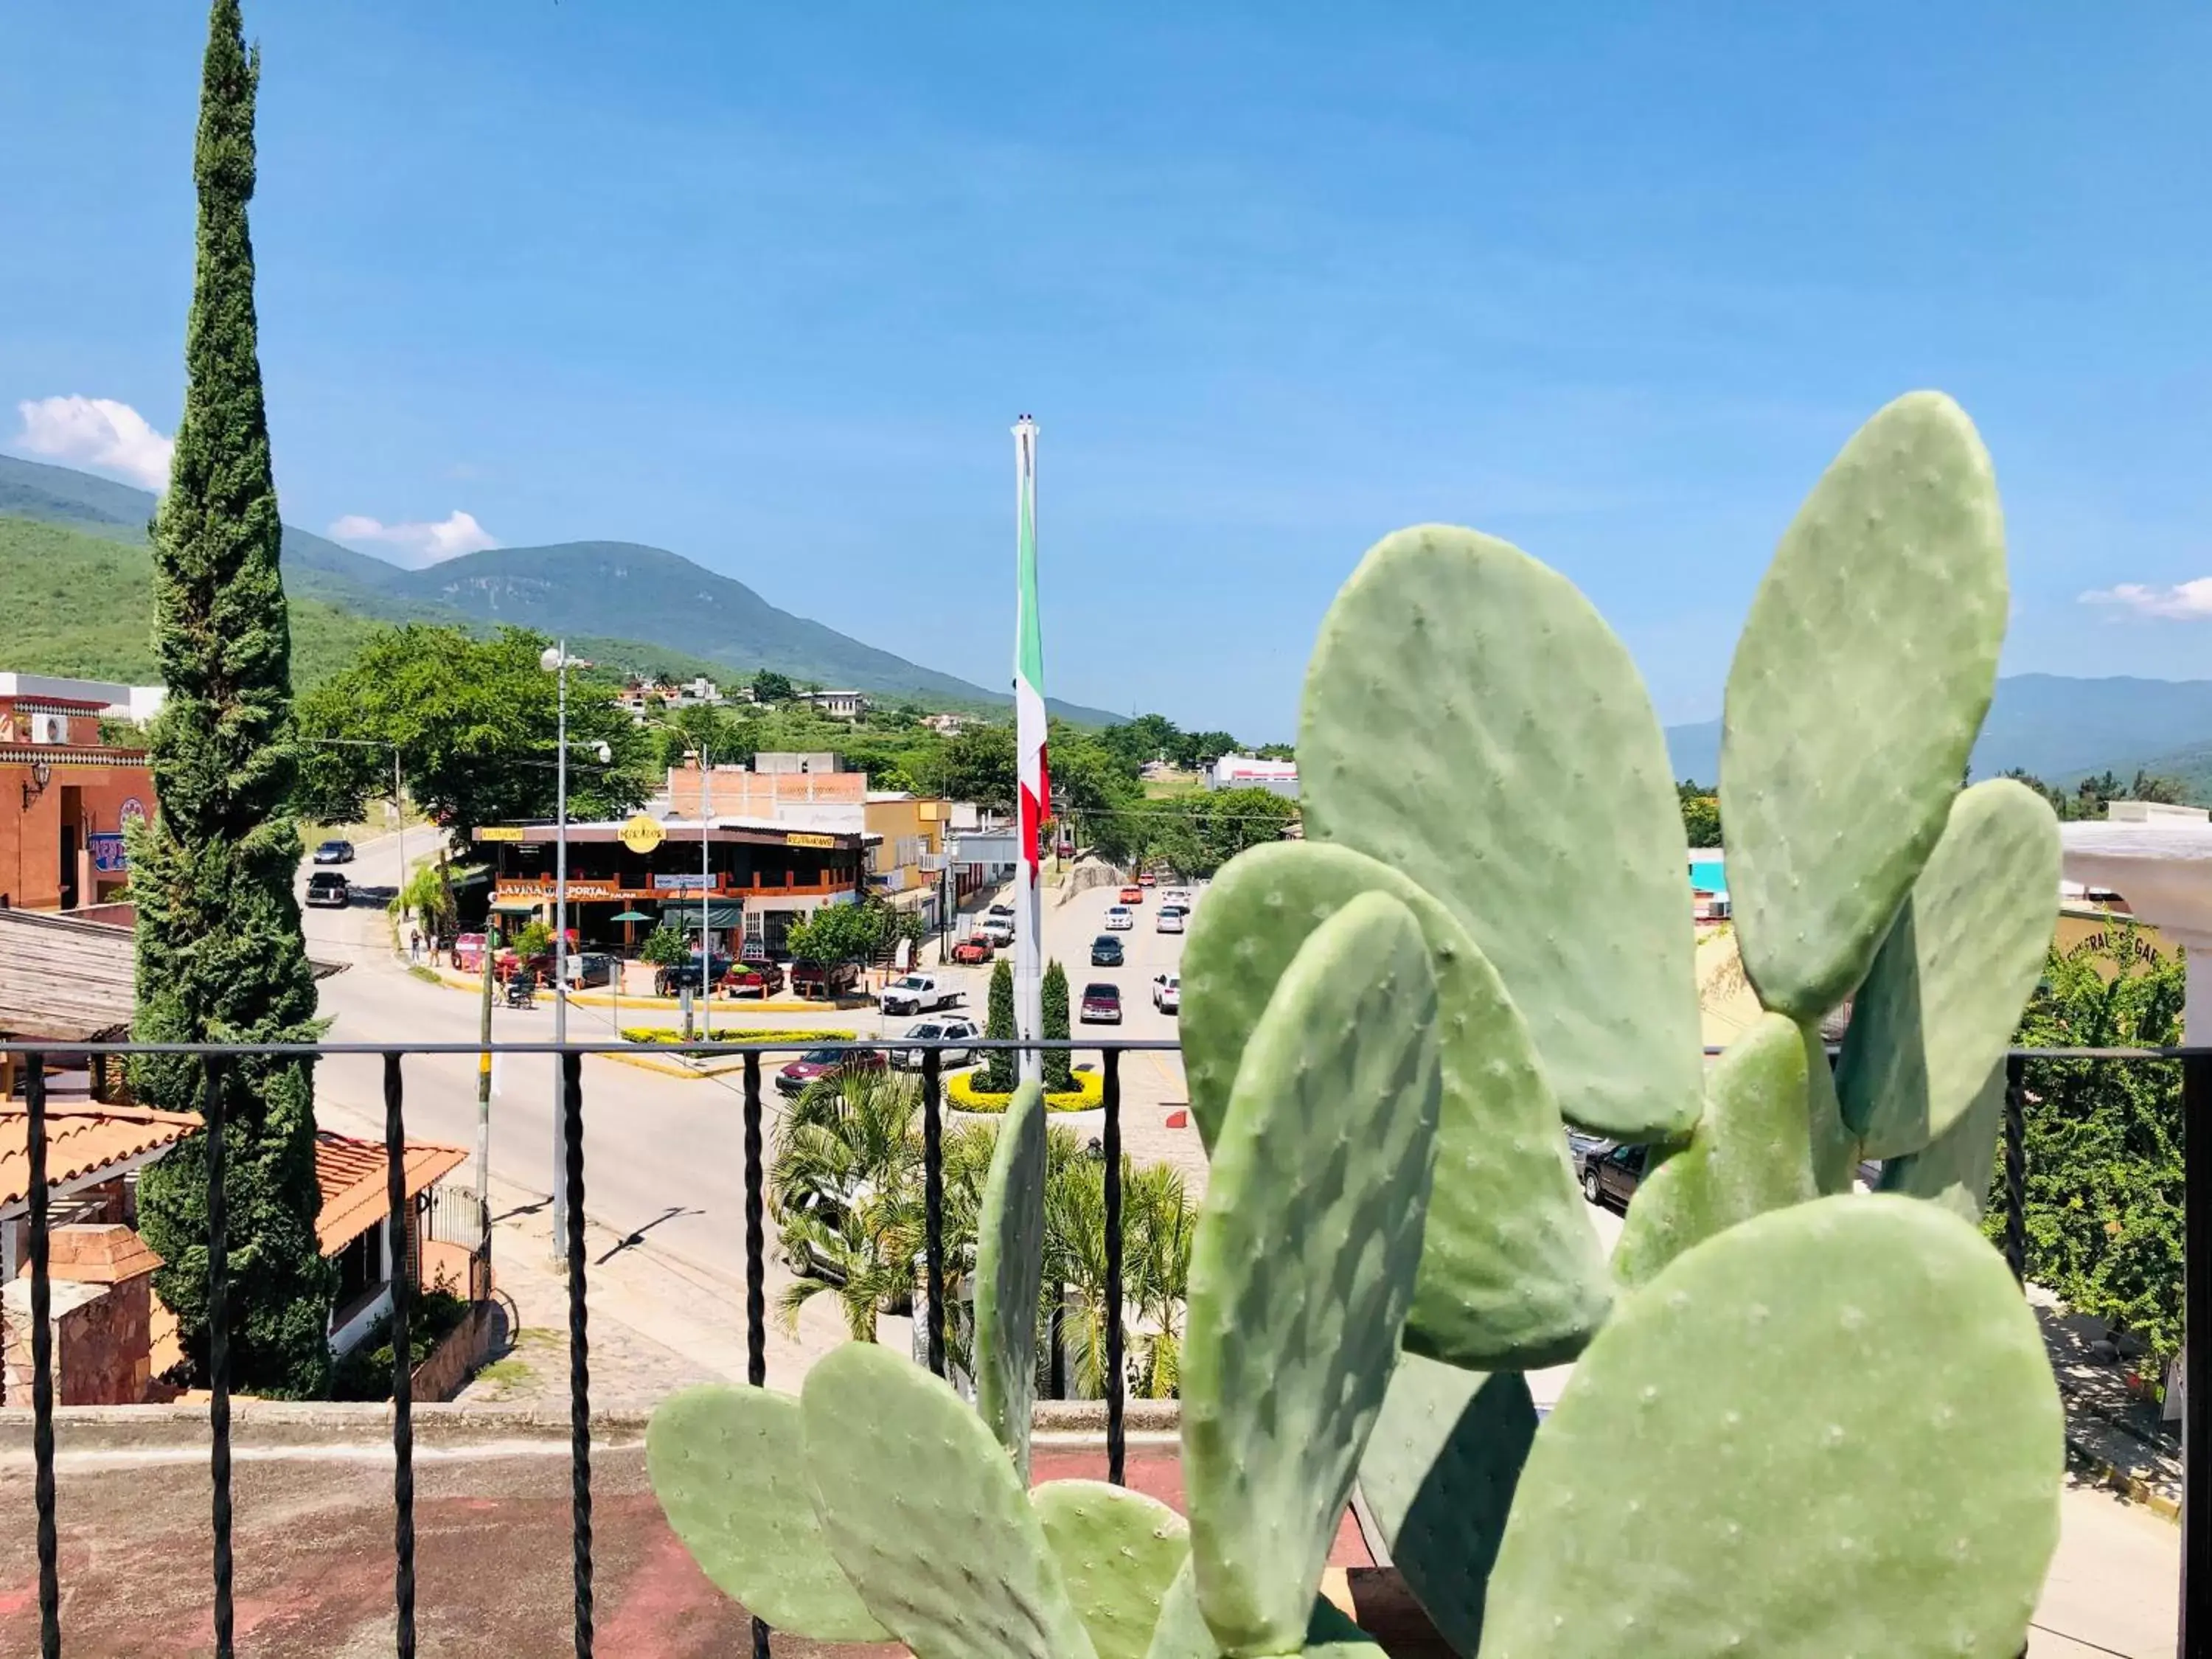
848	1162
1156	1195
1157	1222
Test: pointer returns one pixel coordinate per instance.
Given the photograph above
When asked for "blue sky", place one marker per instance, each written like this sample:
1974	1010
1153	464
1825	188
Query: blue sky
766	286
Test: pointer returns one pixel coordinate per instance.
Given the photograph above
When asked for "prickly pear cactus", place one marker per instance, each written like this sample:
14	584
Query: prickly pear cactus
1860	681
1954	1169
1119	1551
1303	1263
1830	1429
1009	1269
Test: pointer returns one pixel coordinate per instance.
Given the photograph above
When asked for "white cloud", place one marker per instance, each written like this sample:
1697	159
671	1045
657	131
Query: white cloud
96	432
457	533
2184	600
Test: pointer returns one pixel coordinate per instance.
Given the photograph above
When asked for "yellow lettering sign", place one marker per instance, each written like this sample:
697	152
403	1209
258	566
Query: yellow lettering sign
642	834
797	838
500	832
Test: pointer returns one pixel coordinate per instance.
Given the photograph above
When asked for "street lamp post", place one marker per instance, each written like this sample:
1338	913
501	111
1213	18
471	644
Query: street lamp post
555	661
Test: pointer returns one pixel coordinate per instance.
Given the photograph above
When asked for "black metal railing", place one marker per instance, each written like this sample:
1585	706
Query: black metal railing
2197	1100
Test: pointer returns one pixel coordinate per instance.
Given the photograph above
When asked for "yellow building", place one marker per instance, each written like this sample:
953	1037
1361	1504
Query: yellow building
905	866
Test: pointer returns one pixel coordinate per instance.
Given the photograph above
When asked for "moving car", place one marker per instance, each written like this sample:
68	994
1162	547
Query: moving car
1167	993
1170	919
751	978
1102	1004
826	1065
334	852
974	949
1105	951
1119	918
932	1030
1132	893
1148	879
327	890
919	994
1614	1174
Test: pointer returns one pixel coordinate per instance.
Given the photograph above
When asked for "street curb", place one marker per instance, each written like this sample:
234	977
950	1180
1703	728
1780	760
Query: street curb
669	1068
671	1005
2102	1472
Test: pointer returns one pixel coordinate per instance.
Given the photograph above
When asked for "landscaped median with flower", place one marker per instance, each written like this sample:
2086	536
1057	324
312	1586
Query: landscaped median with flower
668	1035
1088	1093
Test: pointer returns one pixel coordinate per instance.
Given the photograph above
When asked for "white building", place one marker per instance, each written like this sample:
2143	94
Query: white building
1245	772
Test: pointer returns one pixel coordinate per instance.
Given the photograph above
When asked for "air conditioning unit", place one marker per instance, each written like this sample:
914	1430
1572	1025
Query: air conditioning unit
50	728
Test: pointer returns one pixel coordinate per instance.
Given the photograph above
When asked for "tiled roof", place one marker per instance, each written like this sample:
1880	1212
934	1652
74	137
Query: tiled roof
81	1138
351	1174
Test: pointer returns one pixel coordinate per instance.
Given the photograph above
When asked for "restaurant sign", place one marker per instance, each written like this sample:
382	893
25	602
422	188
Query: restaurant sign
798	838
588	891
666	883
500	832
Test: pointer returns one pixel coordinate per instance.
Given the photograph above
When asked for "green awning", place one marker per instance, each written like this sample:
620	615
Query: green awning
517	907
722	914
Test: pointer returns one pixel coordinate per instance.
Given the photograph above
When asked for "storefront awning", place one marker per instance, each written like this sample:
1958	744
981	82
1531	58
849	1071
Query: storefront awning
517	907
722	915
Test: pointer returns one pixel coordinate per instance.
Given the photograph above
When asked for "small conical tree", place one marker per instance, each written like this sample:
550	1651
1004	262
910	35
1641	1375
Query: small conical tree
998	1026
219	954
1059	1072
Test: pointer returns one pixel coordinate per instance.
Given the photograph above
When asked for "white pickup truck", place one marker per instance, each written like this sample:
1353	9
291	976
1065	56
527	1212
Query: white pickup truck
919	994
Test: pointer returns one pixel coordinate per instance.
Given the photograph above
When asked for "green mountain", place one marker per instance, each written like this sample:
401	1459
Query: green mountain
643	609
2057	727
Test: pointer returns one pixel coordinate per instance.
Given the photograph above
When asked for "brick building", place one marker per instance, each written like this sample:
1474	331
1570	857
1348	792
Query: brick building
64	795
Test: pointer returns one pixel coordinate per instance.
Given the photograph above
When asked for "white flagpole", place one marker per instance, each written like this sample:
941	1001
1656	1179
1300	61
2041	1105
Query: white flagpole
1034	788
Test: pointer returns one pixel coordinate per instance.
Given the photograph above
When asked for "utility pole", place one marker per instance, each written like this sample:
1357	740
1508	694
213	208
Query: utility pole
484	1114
557	660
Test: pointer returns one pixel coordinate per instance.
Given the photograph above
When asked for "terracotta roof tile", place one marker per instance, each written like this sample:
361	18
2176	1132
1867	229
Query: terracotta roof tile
351	1174
81	1138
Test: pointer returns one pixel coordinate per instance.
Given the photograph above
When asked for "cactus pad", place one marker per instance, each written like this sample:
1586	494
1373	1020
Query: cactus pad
1302	1265
1511	1273
1470	720
1830	1431
1181	1633
1438	1477
1836	1150
1943	997
1858	687
923	1511
1751	1153
1955	1169
729	1467
1009	1268
1118	1552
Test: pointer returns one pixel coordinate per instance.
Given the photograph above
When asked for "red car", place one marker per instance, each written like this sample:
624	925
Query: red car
468	952
1132	894
1102	1004
826	1065
973	950
1148	879
751	979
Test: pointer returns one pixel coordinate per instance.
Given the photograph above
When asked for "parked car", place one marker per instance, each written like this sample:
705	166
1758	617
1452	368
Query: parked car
826	1065
328	890
1102	1004
680	977
934	1031
334	852
1000	930
1105	951
824	980
1167	993
468	952
1119	918
590	968
1132	893
1170	919
919	994
1614	1174
1583	1143
1001	911
974	949
752	977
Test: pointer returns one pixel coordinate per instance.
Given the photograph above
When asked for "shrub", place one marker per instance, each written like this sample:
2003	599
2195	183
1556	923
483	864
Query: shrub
1058	1062
366	1372
667	1034
967	1092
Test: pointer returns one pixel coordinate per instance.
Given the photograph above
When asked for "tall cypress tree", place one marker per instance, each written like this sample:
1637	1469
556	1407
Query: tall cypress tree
1059	1064
219	953
998	1075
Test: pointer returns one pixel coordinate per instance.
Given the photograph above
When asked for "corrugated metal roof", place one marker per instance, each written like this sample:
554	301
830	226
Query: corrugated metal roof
81	1138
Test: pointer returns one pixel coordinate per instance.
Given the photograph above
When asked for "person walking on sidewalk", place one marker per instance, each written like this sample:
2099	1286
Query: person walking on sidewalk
414	944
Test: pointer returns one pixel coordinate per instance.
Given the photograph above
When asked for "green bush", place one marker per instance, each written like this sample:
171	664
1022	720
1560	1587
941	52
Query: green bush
667	1034
968	1094
997	1072
1058	1062
664	947
366	1372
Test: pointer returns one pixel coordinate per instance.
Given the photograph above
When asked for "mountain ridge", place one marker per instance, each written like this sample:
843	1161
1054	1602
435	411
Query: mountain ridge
598	588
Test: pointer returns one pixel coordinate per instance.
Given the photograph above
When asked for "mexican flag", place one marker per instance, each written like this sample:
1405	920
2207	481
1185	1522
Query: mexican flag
1028	655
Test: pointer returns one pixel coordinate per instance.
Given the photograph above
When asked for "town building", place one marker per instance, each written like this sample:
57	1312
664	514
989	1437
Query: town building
948	725
64	795
837	705
1246	772
352	1227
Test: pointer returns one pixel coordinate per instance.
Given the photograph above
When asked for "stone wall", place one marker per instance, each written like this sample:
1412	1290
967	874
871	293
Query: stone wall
454	1360
101	1343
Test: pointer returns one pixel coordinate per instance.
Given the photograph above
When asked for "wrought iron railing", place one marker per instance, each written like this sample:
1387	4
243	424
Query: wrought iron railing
2197	1099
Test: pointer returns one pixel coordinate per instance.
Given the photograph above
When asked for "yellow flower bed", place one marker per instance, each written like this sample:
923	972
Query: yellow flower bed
1089	1092
664	1034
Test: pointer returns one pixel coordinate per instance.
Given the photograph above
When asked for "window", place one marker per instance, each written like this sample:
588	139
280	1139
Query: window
361	1269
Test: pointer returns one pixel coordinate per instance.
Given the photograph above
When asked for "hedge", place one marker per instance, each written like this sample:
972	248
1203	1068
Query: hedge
1089	1093
669	1034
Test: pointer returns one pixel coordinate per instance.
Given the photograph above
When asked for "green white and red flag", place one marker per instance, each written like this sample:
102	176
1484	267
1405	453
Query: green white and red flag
1034	778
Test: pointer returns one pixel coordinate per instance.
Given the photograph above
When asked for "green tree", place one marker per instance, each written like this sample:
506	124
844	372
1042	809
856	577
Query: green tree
429	894
219	954
979	767
1229	820
2105	1140
476	724
842	1190
998	1074
1701	813
838	933
1200	750
666	947
770	688
1059	1064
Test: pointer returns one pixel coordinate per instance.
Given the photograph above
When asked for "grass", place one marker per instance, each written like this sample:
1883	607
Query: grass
669	1034
428	976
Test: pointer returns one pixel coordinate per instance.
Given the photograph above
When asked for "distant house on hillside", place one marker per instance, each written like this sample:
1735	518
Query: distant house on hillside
947	726
837	705
1244	772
